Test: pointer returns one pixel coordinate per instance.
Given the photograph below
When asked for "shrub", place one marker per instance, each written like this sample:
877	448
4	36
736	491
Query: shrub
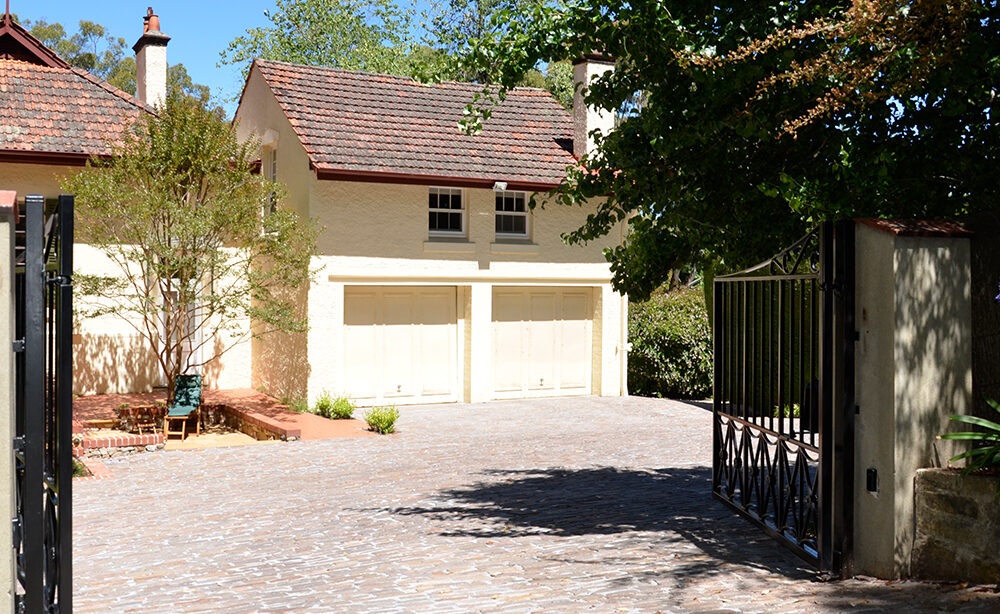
299	405
382	419
79	469
340	408
985	453
324	405
671	346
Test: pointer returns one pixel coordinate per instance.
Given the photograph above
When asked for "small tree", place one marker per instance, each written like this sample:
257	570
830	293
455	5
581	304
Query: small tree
178	209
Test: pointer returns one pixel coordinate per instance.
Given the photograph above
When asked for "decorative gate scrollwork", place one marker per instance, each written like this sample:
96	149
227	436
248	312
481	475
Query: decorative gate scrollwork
783	399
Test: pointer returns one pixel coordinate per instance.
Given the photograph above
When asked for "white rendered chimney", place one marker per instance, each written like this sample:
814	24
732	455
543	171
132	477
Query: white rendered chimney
587	119
151	62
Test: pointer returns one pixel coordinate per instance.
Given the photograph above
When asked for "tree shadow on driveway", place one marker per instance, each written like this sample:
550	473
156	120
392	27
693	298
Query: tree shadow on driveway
674	504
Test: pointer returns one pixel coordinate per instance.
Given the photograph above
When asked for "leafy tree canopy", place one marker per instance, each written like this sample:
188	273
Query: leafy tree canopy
353	34
378	36
178	209
759	119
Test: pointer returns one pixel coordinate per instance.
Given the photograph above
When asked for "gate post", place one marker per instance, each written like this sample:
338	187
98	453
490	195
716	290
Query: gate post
8	221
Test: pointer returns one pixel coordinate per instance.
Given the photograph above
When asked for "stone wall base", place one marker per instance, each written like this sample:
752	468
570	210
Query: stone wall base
957	527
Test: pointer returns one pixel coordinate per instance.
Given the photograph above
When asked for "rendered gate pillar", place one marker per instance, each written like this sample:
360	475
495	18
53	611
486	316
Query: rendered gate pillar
913	370
8	217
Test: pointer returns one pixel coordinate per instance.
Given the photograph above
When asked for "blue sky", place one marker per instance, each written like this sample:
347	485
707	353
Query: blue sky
199	29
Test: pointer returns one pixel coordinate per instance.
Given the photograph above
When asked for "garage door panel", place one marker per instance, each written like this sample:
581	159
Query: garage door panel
360	335
402	344
436	347
575	341
542	341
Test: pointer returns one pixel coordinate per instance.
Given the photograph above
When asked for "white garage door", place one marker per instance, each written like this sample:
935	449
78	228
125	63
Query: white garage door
400	344
542	342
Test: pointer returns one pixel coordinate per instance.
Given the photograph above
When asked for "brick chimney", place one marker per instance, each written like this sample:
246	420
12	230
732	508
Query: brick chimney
151	62
587	119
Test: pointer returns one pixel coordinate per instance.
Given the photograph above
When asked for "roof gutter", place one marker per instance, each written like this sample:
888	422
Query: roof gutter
438	180
45	157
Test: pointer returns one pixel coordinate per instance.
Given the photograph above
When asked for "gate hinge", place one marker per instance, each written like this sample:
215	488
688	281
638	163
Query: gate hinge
18	345
19	444
15	535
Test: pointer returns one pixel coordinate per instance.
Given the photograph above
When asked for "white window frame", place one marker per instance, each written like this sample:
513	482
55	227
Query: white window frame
462	211
526	214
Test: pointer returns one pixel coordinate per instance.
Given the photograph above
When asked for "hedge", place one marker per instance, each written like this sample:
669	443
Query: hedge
671	346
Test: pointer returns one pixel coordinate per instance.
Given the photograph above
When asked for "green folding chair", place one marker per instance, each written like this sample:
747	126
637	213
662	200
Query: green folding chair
187	401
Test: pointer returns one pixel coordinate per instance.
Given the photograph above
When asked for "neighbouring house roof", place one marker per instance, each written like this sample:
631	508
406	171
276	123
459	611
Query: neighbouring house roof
919	228
51	112
370	127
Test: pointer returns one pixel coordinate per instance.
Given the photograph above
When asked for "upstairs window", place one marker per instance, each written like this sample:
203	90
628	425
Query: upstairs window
446	215
511	215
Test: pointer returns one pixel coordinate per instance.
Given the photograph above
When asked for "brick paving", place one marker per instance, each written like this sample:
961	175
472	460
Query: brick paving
562	505
246	400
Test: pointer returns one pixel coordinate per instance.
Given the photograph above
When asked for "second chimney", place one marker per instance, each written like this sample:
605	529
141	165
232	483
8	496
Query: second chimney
151	62
587	119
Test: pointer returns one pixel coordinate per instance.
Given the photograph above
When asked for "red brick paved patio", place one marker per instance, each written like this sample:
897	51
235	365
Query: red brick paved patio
252	402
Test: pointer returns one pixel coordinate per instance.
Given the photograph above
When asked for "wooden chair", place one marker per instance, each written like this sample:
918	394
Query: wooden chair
187	401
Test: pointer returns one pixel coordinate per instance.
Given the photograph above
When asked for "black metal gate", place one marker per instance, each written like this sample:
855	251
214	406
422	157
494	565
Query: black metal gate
783	399
44	380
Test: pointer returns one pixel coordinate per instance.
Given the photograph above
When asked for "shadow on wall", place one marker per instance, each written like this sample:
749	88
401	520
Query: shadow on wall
211	370
932	345
280	361
113	364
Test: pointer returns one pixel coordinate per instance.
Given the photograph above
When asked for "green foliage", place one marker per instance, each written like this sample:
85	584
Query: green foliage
701	164
985	453
339	408
180	213
299	406
79	469
382	419
786	411
353	34
342	408
559	82
671	346
95	50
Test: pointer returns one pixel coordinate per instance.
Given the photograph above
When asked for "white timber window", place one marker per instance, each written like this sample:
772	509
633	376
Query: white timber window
511	215
446	213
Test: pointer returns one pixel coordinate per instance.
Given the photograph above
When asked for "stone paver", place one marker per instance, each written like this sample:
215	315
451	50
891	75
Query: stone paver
562	505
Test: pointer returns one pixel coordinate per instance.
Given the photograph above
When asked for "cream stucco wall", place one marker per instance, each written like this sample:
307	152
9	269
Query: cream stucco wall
279	361
109	356
913	370
376	234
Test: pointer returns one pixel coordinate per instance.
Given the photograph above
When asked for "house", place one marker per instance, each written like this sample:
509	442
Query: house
53	118
436	282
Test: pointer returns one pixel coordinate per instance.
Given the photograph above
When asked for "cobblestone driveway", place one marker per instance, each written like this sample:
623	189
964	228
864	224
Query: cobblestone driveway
565	505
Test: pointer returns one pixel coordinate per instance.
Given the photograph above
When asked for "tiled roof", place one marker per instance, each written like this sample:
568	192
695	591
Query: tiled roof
919	228
379	126
63	111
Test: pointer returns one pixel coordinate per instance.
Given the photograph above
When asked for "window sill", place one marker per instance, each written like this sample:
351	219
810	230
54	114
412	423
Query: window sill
445	245
514	246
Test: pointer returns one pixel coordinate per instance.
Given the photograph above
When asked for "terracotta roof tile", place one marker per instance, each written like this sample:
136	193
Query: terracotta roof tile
45	110
919	228
369	123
